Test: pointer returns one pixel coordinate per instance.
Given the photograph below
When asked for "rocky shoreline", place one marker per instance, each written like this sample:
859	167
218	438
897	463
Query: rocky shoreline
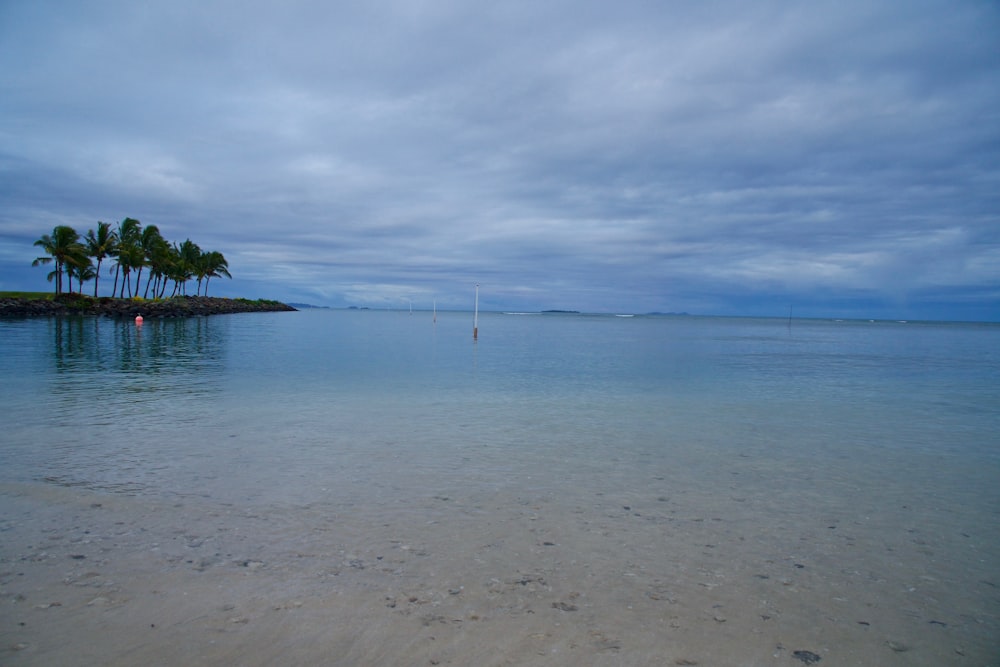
181	306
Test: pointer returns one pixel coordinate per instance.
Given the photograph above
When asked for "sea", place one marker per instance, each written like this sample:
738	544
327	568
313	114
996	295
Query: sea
736	484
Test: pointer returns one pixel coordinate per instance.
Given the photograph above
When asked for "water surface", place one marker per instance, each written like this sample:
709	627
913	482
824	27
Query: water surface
865	450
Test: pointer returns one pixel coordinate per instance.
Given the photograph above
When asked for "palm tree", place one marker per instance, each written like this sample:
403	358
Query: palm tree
48	244
62	246
133	248
158	258
214	265
188	264
169	265
149	243
83	271
175	270
100	245
129	234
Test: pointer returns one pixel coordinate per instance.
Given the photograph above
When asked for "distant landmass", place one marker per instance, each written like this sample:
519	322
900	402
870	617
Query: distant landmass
551	311
577	312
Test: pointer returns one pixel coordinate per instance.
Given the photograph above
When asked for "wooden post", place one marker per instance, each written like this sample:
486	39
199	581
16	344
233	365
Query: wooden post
475	317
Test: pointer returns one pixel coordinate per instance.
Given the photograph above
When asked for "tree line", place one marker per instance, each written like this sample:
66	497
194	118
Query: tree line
130	248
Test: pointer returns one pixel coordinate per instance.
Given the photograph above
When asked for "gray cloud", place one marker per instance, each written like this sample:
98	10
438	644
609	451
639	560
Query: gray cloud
712	157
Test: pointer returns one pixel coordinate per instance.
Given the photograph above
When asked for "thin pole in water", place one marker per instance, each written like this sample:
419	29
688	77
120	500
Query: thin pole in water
435	310
475	317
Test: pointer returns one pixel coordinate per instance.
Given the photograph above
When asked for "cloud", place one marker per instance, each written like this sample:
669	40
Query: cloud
722	156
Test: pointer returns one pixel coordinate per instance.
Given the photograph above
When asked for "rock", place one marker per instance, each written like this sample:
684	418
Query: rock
181	306
808	657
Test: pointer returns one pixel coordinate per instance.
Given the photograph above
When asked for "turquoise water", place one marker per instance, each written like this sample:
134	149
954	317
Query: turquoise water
103	404
778	432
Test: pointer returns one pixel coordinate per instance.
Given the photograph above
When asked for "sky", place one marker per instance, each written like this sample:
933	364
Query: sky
833	158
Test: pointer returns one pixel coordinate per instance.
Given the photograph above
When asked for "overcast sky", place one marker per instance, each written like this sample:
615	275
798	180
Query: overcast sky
723	157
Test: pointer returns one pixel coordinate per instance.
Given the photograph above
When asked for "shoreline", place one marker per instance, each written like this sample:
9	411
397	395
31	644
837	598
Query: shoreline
179	306
522	581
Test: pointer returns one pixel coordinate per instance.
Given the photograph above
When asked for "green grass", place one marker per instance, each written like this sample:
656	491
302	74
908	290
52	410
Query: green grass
270	302
26	295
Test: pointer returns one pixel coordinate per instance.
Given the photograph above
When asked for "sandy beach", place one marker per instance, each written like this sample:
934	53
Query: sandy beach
484	578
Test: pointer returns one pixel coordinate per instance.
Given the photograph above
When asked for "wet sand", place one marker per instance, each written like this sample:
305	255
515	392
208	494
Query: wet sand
496	576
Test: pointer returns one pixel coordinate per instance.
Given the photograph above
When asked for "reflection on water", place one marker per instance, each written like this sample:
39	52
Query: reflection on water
97	401
117	364
157	346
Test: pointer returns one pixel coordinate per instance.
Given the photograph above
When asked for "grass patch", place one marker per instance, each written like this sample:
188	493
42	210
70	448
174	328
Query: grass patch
265	302
26	295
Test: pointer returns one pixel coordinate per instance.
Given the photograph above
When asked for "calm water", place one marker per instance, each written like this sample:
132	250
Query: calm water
277	406
825	485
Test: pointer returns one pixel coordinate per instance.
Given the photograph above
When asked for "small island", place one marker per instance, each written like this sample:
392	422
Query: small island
131	249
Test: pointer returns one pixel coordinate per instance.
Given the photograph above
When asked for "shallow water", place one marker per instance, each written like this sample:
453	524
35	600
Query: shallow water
702	460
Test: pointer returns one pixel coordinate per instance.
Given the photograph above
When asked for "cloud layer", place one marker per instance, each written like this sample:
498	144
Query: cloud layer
717	157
